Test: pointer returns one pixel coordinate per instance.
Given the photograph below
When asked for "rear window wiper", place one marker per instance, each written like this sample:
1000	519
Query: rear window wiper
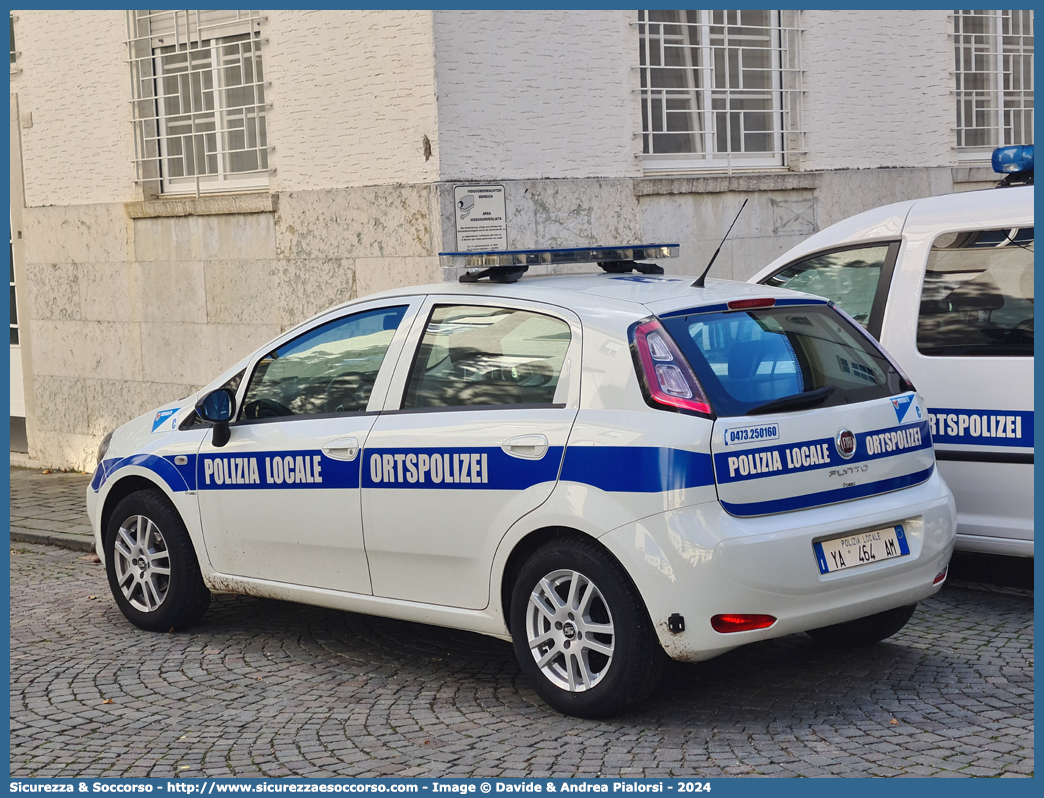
795	400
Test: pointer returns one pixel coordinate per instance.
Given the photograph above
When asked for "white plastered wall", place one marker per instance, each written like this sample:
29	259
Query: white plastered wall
537	94
74	98
353	95
879	89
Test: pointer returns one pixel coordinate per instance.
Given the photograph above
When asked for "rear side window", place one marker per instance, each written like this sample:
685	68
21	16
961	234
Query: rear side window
849	277
473	355
977	296
746	358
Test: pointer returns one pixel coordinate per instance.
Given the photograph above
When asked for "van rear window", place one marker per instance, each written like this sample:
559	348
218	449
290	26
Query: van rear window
747	358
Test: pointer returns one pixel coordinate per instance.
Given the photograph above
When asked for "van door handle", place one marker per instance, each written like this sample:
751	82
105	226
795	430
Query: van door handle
528	447
342	449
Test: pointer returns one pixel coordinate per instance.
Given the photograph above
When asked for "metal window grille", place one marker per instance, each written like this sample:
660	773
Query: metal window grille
719	89
993	77
199	100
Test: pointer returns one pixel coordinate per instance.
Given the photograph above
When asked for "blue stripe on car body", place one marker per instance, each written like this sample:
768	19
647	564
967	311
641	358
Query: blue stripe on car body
819	498
284	470
178	478
614	469
966	427
637	469
617	469
781	455
457	468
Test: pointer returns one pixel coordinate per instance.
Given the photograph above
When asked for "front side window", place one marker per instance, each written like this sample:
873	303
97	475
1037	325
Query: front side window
331	369
977	296
717	88
849	277
744	359
993	73
472	355
199	104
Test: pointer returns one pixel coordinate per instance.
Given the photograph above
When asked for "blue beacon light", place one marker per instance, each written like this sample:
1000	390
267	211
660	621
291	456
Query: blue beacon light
1015	162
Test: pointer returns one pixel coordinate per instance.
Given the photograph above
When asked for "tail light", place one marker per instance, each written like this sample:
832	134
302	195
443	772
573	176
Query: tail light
734	622
941	575
668	377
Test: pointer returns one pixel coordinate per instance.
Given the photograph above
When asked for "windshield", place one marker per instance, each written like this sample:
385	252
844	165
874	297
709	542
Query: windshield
745	359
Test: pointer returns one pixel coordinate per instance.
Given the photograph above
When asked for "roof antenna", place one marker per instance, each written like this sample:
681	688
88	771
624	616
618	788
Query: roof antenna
702	277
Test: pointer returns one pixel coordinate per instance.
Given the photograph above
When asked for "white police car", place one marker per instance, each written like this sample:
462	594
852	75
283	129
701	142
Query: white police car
601	468
946	285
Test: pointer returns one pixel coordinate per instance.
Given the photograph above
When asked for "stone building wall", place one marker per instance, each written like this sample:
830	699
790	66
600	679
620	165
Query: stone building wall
126	313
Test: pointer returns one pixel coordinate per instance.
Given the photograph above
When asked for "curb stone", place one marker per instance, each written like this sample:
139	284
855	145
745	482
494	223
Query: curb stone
61	539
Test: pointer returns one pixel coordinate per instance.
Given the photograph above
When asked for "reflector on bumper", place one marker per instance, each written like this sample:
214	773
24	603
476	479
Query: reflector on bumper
735	622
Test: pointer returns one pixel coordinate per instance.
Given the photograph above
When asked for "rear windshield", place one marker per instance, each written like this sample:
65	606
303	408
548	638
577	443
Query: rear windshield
746	358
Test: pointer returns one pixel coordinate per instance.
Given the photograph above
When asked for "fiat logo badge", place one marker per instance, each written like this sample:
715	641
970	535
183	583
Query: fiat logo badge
846	443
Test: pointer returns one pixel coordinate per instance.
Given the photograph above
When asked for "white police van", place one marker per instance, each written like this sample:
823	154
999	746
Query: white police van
601	468
946	285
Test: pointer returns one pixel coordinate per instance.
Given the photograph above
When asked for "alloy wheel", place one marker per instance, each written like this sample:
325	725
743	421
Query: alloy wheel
142	563
570	630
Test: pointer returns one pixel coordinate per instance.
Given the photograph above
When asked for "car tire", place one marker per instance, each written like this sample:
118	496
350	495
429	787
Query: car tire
152	566
581	631
864	631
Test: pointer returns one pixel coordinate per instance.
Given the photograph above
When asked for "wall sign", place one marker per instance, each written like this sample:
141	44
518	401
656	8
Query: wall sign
481	216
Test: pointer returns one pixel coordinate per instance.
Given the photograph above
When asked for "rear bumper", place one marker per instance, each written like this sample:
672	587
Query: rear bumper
699	561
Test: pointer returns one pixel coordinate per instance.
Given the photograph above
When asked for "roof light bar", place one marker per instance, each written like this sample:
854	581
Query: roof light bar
1015	163
535	257
1009	160
514	262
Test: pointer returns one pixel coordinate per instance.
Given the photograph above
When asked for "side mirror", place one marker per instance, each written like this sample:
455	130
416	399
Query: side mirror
218	407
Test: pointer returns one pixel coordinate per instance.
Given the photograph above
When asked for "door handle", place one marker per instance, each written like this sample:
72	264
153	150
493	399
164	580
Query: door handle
528	447
342	449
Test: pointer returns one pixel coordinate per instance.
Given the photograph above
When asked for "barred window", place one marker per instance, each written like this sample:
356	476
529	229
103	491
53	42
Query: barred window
719	88
993	70
199	100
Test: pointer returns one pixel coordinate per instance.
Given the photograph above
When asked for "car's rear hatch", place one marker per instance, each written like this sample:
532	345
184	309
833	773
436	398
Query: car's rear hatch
809	410
797	460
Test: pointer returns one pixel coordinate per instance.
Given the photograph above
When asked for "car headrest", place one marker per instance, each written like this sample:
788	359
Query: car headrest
980	293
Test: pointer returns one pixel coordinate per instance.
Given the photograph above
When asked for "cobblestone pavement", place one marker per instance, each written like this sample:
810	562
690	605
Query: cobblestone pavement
267	688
